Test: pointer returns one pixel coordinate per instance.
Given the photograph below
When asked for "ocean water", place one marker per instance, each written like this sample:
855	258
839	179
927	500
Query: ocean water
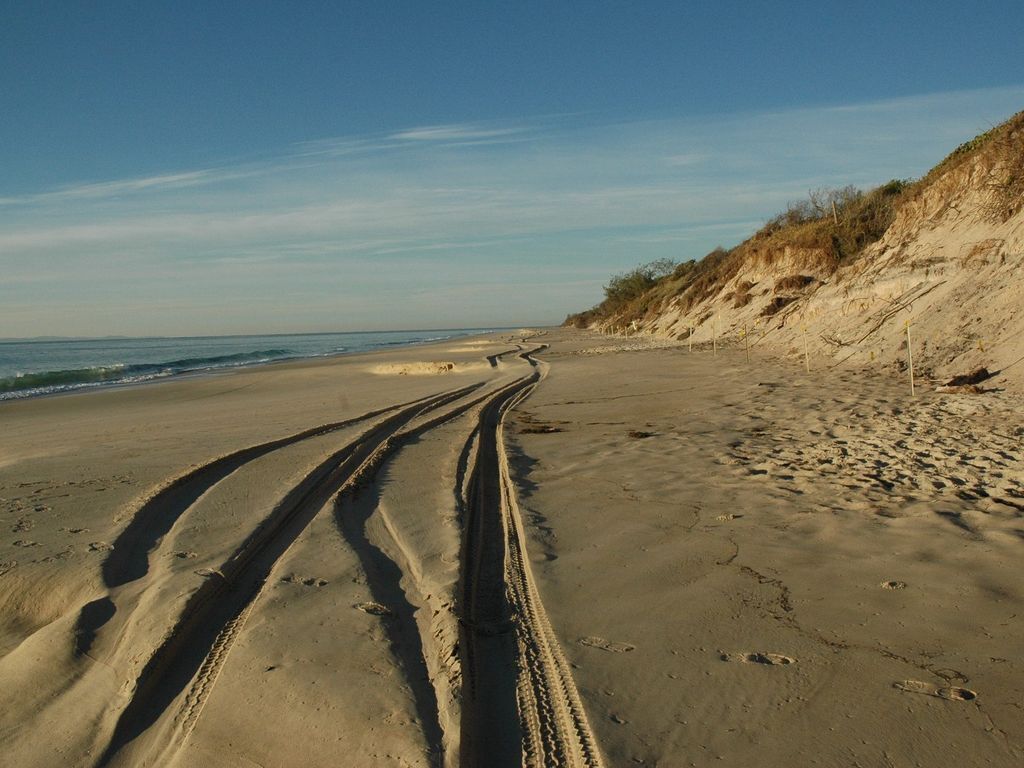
31	368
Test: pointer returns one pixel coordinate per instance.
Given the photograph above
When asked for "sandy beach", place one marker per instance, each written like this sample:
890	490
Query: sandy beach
546	548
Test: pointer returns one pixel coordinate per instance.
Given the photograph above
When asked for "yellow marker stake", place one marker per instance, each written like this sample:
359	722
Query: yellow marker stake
910	359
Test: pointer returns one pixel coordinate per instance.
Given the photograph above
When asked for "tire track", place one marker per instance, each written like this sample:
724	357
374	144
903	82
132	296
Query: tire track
520	703
384	580
554	721
494	359
490	728
129	559
193	653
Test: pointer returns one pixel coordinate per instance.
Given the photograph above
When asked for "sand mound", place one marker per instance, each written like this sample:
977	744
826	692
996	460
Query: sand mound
427	368
473	345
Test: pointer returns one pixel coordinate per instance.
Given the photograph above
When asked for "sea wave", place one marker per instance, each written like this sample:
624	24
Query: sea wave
40	382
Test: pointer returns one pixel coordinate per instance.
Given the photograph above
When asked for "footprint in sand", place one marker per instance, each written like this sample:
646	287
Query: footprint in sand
100	546
8	565
606	645
540	429
725	518
947	692
375	609
950	675
894	585
307	581
771	659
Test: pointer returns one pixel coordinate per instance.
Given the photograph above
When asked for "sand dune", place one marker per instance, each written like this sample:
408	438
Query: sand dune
563	550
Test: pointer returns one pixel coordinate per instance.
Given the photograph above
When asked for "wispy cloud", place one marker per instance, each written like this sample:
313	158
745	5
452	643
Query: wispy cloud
453	132
453	135
340	146
687	158
126	186
559	201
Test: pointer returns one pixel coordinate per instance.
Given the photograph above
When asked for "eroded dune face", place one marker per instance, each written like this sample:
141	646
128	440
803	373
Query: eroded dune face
950	266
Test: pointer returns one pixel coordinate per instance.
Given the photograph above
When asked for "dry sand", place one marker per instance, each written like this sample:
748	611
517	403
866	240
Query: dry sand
548	549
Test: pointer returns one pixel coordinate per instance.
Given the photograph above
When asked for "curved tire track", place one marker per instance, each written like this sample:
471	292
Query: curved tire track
520	703
129	559
193	653
385	577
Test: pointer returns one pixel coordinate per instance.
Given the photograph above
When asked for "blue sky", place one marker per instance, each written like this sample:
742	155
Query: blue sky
260	167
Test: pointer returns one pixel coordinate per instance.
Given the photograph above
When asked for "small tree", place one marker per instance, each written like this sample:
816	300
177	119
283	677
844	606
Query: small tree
822	198
629	285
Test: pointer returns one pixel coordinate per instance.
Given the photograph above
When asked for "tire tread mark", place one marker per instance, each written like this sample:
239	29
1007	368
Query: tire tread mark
555	722
194	651
552	724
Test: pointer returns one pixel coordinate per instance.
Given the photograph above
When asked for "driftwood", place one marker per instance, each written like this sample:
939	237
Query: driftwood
976	376
967	383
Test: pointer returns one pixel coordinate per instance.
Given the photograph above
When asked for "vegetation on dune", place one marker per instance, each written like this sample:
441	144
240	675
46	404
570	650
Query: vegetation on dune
836	223
832	227
626	287
623	290
1001	155
1006	178
842	232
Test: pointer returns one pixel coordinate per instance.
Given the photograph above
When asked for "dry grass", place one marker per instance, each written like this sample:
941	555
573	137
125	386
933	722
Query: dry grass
793	283
776	304
741	299
1006	184
1000	152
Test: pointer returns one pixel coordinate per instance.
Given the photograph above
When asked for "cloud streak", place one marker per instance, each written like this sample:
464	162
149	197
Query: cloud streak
564	201
121	187
453	132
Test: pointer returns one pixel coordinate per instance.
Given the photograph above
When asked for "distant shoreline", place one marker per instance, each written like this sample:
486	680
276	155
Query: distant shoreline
87	365
51	339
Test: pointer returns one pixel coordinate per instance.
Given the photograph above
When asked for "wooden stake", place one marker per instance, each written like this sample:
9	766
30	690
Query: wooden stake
910	359
835	214
746	342
714	335
807	357
690	338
